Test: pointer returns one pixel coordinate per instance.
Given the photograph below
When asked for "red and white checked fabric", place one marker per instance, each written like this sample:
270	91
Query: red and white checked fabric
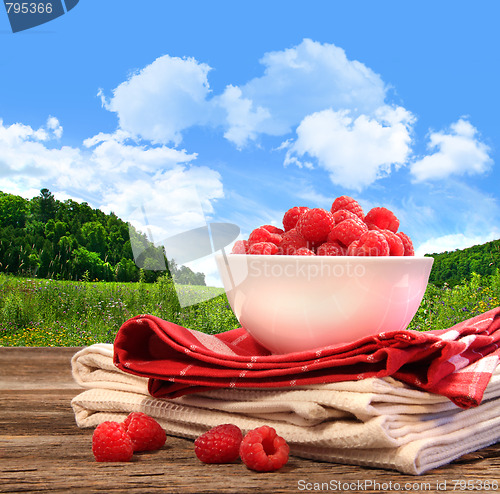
455	362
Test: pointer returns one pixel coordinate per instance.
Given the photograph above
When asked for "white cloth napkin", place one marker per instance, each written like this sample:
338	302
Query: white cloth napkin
375	422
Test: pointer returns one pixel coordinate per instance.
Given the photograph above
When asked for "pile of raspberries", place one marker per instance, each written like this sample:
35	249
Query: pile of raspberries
343	231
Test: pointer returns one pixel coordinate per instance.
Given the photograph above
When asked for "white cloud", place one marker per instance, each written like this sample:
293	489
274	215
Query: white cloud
27	155
456	152
116	153
338	105
299	81
243	121
354	150
168	204
160	101
454	241
160	180
172	94
54	125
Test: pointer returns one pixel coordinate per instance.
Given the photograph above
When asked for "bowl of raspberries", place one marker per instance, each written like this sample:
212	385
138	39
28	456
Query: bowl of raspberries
324	277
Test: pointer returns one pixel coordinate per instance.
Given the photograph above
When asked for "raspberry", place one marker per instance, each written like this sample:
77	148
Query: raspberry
315	225
407	244
220	444
331	249
291	241
372	243
353	248
396	247
292	215
383	218
347	231
349	204
111	442
273	229
146	433
344	214
263	248
263	450
262	234
240	247
304	251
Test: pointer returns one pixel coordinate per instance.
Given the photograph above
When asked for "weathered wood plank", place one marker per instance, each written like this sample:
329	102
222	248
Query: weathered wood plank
42	450
50	367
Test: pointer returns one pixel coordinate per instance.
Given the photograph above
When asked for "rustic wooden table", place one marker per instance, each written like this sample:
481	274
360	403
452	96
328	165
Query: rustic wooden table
42	450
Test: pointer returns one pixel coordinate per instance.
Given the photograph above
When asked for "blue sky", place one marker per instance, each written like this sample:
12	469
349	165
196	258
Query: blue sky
236	111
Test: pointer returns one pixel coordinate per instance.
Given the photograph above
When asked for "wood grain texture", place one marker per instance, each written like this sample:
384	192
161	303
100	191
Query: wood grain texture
42	450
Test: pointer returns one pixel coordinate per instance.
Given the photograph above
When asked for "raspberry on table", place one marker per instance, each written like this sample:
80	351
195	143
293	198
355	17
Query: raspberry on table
146	433
292	215
407	244
263	248
396	247
111	442
262	234
240	247
372	243
263	450
291	241
315	225
333	248
347	231
221	444
382	218
349	204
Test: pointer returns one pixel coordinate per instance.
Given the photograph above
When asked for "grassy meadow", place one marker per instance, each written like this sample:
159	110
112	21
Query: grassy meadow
42	312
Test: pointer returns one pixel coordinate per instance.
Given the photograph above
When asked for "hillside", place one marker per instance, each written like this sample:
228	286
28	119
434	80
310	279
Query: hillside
456	266
67	240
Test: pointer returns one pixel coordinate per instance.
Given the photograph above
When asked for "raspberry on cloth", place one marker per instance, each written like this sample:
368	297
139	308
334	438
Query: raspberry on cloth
456	363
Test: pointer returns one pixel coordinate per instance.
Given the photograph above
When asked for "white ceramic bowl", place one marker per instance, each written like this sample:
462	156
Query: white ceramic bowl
295	303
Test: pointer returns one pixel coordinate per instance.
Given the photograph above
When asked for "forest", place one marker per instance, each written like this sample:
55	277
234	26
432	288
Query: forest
453	267
66	240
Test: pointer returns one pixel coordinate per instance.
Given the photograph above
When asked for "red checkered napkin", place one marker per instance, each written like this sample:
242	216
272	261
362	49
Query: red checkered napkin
456	362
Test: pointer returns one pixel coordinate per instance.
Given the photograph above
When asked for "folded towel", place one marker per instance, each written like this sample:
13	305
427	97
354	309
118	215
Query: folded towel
456	362
379	422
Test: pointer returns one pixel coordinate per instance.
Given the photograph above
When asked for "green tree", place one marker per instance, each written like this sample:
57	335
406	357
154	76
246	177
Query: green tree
85	260
13	211
94	236
44	206
126	270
